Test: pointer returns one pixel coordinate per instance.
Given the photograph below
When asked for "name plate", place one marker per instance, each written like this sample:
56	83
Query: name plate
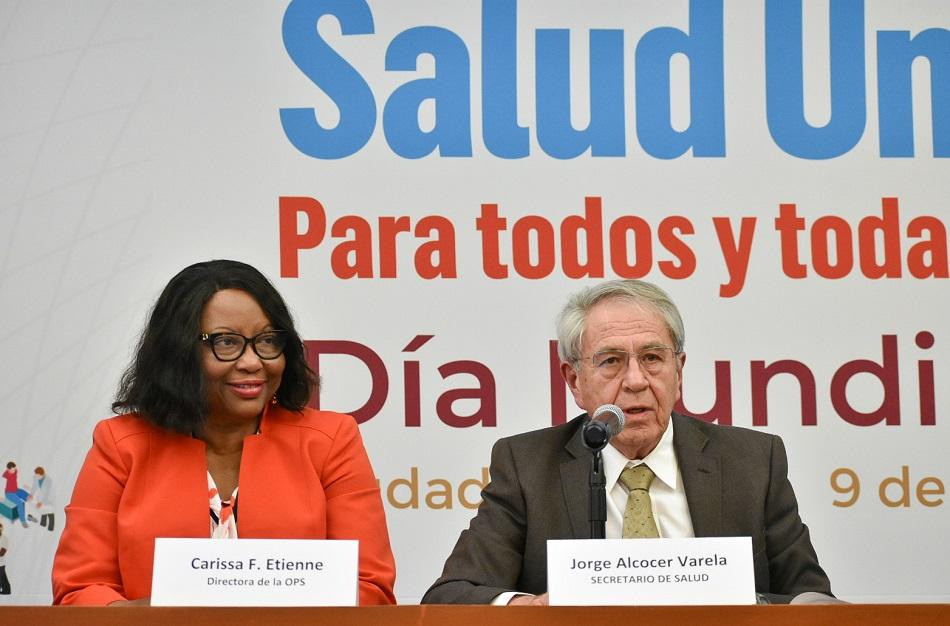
707	570
255	572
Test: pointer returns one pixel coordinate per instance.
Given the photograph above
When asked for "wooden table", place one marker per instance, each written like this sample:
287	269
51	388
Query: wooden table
832	615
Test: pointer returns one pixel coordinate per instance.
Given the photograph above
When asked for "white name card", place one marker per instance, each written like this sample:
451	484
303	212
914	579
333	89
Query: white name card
255	572
708	570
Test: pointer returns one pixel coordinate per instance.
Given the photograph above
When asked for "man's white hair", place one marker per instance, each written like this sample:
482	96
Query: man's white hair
572	321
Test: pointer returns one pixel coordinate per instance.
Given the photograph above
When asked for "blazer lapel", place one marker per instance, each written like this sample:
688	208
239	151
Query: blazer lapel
575	480
702	477
178	479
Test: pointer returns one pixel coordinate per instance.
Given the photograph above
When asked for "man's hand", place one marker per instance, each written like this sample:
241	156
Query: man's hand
541	600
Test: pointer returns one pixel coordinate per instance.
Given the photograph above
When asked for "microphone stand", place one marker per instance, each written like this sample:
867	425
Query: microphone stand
596	436
598	497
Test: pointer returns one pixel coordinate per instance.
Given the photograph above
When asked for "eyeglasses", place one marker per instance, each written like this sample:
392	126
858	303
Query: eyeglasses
267	345
613	363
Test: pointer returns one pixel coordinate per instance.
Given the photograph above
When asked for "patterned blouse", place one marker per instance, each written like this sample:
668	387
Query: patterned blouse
223	512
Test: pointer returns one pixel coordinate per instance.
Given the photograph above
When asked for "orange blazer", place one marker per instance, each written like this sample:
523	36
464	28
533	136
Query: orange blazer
303	476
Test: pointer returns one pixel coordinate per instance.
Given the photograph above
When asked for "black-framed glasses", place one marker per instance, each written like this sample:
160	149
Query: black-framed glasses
652	360
267	345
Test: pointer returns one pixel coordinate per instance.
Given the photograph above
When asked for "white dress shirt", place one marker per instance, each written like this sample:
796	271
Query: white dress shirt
667	494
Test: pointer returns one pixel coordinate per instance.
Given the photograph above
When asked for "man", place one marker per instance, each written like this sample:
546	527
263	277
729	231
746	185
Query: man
621	342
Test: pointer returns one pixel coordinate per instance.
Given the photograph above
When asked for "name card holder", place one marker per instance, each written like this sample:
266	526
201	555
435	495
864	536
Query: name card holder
707	570
255	572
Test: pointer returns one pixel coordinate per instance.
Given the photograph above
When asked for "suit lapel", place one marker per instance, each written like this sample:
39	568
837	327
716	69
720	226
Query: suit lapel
702	477
700	468
575	480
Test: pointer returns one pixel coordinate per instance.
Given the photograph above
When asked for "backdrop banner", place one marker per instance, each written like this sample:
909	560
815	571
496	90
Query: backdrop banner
426	182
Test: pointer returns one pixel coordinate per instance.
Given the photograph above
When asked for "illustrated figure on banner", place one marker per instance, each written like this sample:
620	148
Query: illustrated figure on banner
14	497
41	497
4	549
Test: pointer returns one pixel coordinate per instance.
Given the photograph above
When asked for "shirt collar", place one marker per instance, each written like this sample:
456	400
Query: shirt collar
662	460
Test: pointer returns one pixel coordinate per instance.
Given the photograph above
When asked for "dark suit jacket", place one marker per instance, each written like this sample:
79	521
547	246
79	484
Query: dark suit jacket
736	485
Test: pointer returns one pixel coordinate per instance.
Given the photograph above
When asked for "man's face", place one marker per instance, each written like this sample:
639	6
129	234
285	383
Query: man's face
646	397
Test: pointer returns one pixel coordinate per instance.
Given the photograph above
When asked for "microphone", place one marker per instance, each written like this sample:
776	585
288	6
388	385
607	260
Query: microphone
606	422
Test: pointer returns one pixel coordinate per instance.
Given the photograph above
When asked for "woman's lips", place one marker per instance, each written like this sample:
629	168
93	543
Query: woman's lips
247	389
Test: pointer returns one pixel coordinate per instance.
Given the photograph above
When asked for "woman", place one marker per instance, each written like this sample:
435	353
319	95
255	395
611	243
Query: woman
214	440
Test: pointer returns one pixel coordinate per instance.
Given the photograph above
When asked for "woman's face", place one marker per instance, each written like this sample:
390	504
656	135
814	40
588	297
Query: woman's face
237	391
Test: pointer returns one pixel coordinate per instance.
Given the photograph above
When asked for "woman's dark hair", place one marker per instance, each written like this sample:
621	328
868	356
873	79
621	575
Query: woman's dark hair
165	384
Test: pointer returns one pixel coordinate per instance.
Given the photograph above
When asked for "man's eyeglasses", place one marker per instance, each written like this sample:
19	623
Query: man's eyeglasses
267	345
613	363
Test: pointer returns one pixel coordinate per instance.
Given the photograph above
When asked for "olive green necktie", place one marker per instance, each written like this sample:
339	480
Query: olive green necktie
638	522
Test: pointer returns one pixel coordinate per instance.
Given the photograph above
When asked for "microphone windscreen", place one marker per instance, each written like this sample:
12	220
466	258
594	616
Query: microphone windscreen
605	412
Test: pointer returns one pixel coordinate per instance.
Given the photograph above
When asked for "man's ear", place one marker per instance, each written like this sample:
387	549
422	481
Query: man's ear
680	363
570	377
